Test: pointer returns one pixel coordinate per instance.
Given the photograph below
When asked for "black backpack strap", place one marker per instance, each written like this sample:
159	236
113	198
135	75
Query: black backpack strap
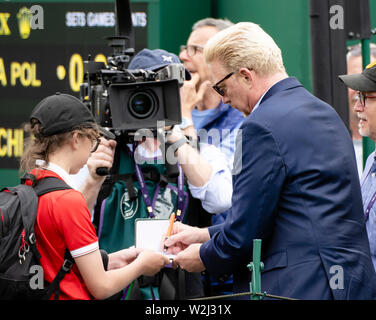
28	176
28	209
55	284
130	187
49	184
41	187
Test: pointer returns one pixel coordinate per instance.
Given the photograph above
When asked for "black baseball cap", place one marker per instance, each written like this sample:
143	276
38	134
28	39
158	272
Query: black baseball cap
364	82
62	113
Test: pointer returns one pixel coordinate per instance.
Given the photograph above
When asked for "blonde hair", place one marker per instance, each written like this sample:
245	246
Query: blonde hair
245	45
39	147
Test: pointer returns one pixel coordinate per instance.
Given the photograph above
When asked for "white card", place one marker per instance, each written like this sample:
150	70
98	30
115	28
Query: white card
150	233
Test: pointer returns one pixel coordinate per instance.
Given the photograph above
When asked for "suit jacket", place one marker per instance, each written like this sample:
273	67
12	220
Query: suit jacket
298	190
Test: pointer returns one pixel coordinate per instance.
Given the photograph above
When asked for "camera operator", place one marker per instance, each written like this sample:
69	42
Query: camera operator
203	188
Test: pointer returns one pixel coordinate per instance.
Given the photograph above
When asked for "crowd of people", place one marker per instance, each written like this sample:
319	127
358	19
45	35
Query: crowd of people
283	170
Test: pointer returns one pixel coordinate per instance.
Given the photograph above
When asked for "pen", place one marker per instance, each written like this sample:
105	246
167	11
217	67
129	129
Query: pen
170	225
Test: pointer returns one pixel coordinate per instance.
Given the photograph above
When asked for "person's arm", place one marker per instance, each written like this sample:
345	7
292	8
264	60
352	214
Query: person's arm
102	157
122	258
103	284
197	170
216	194
73	223
207	172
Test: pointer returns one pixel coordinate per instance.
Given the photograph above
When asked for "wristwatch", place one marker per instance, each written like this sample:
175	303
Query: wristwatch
177	144
185	123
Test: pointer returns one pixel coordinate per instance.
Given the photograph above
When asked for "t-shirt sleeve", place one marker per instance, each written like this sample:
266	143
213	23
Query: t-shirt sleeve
73	221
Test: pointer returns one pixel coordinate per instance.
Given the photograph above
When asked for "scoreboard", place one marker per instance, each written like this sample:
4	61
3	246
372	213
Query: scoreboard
42	50
43	44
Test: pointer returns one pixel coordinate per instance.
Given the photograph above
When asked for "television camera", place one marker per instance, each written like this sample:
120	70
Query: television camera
129	101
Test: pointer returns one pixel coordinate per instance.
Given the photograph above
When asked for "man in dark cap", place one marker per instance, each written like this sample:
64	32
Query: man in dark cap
365	107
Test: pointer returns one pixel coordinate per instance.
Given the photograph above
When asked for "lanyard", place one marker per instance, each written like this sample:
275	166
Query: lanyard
370	204
150	205
144	190
373	199
180	194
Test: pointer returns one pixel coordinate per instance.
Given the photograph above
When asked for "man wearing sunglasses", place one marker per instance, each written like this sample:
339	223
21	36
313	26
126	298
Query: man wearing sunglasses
297	188
201	106
365	108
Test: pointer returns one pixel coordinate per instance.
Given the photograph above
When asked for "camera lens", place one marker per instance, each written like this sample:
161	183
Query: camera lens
141	105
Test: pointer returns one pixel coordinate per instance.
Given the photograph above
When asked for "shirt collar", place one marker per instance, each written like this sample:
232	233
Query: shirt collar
62	174
259	101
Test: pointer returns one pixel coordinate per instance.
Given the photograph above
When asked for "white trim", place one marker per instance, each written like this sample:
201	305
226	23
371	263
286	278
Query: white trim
85	250
62	173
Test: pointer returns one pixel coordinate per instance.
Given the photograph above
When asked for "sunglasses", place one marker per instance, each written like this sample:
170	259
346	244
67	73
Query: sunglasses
216	86
191	49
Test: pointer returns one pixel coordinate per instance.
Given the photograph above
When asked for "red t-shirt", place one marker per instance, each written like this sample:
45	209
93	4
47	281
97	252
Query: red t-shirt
63	221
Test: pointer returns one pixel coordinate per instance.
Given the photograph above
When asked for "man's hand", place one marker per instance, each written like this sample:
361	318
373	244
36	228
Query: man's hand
190	97
189	259
183	236
102	157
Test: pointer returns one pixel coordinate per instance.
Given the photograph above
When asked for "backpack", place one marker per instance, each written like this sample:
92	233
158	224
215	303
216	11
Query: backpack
19	257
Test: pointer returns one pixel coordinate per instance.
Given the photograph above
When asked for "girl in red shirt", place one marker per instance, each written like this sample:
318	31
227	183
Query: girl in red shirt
63	134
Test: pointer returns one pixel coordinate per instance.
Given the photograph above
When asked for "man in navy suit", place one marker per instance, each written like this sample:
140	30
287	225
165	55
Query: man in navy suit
297	188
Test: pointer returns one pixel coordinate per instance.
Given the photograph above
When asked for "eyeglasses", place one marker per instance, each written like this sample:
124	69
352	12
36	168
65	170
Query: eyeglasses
191	49
95	142
362	98
216	86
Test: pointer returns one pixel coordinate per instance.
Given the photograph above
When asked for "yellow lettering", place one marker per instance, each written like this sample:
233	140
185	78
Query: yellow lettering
25	74
20	142
3	76
34	81
100	58
3	135
76	72
12	143
18	136
4	29
15	72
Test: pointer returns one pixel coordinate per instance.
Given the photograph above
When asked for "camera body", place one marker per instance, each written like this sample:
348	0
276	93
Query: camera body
128	100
